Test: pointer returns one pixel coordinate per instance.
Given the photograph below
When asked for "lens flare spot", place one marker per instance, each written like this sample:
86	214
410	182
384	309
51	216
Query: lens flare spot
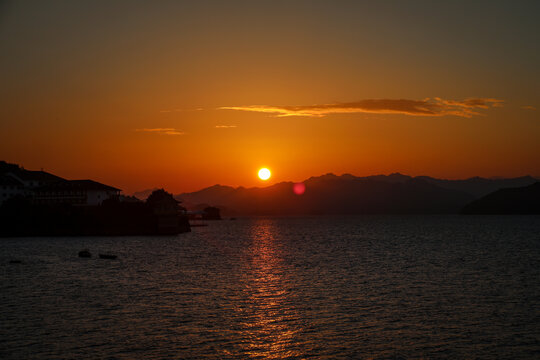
264	174
299	188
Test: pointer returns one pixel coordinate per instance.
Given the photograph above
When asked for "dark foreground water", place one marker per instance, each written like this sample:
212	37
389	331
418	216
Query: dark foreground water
327	288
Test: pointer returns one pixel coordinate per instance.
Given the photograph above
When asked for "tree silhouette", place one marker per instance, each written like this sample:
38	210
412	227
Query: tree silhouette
162	203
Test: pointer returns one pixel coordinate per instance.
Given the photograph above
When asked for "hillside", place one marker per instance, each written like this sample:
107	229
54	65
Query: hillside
331	194
520	200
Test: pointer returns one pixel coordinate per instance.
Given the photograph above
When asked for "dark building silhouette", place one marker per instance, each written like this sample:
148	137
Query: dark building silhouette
10	187
167	210
75	192
44	188
36	203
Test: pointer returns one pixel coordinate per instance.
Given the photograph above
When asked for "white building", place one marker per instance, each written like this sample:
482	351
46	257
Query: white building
75	192
40	187
32	179
10	187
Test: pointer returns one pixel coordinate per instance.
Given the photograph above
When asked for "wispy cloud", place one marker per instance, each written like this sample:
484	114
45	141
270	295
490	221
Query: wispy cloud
225	126
179	110
163	131
427	107
528	107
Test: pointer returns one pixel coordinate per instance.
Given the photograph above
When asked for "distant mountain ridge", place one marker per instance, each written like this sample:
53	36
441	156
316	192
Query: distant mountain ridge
349	194
342	194
144	194
478	186
514	200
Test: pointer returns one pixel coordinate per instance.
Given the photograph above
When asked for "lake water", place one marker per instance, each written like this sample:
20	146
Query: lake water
381	287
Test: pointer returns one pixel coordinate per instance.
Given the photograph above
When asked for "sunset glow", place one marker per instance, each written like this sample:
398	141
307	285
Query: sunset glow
351	179
357	87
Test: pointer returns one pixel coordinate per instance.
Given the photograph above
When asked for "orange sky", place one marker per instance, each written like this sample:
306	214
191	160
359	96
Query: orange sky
187	95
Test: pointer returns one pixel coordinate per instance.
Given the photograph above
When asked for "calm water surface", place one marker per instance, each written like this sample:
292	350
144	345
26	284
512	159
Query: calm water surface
326	288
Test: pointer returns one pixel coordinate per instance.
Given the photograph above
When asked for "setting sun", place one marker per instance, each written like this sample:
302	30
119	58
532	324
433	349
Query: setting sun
264	174
402	218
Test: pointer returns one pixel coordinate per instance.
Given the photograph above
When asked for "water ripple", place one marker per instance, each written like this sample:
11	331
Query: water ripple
369	287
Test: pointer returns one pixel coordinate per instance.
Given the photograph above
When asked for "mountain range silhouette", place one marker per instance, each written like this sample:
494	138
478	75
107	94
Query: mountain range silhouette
517	200
347	194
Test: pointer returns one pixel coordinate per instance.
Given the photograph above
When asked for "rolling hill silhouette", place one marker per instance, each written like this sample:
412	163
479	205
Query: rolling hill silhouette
331	194
518	200
478	186
348	194
144	194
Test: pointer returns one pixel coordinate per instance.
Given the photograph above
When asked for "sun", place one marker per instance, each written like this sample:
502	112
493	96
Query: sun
264	174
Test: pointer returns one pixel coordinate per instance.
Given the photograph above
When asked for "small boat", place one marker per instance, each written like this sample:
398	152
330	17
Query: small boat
85	253
107	256
15	261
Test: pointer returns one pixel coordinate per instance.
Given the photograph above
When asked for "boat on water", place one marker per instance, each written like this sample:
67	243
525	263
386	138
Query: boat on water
85	253
107	256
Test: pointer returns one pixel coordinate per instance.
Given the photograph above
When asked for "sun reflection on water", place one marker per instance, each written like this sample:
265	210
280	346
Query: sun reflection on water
269	329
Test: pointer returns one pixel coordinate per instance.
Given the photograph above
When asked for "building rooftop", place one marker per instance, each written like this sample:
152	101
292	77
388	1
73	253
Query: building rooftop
77	185
6	180
30	175
13	175
6	167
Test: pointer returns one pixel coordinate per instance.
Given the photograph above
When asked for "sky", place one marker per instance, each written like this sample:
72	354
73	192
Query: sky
185	95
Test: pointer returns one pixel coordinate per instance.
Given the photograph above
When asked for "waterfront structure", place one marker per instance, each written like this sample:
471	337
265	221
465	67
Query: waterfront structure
168	212
75	192
10	187
33	179
41	187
